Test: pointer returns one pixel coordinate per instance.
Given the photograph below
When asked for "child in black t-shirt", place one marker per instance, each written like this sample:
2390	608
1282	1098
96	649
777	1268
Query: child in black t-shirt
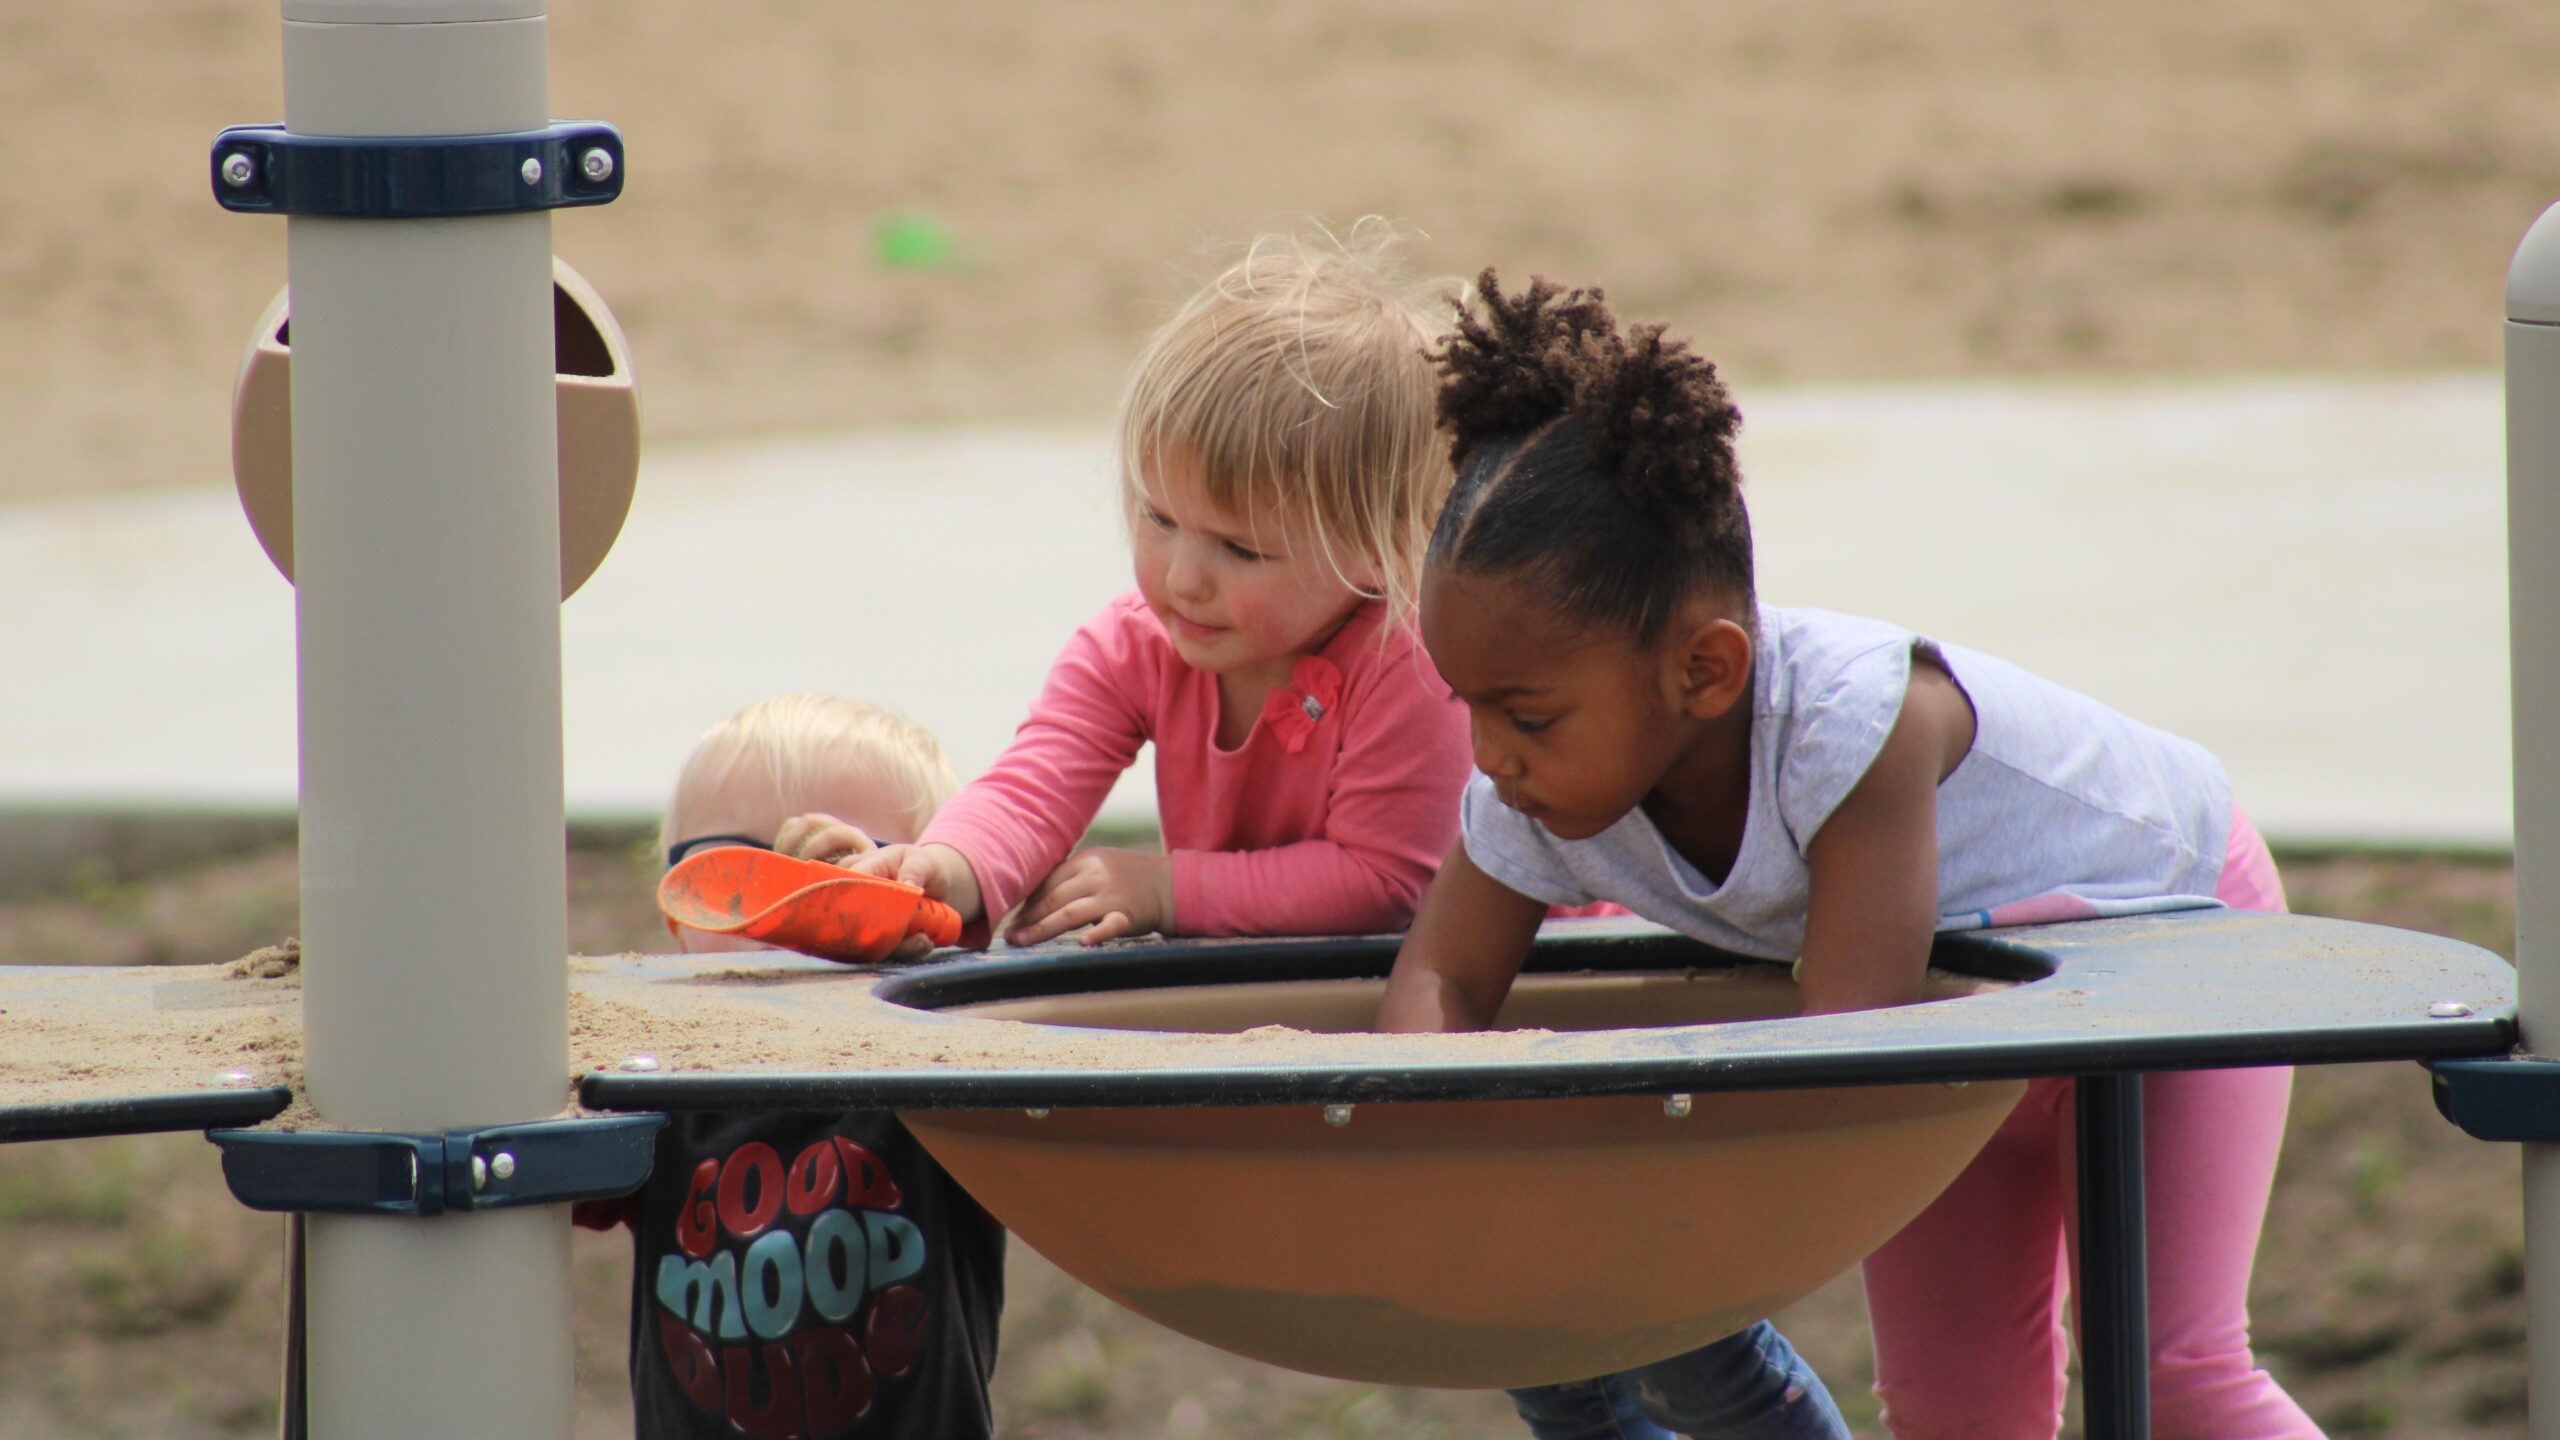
806	1276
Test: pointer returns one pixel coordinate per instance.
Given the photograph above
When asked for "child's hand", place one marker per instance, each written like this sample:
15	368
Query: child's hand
937	870
1115	892
822	837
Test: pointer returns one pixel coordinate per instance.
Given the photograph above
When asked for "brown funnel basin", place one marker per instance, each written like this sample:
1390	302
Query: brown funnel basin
1472	1243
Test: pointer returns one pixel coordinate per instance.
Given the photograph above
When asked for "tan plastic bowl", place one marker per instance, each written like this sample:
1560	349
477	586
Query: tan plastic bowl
1560	1239
599	428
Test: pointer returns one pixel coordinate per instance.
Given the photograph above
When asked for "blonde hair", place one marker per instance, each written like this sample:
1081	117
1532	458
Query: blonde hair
1300	384
799	740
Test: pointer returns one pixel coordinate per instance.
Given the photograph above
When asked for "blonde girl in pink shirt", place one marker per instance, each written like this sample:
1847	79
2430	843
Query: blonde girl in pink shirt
1280	468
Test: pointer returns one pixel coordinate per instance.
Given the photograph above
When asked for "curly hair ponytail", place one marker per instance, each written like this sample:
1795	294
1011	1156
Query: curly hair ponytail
1598	463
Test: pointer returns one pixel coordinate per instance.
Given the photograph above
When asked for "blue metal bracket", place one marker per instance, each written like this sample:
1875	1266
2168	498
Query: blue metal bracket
547	1162
2516	1098
269	170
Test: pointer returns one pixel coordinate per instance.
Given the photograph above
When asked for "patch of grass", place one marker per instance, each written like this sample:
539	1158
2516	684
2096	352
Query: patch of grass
88	1186
2495	1336
1068	1379
94	886
2367	1278
2091	197
2495	1402
2374	1170
2500	1278
250	1415
2337	1347
164	1280
2364	1415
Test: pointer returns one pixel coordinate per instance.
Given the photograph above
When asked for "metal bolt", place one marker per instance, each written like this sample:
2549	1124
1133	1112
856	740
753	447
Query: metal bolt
1677	1106
596	165
532	172
503	1165
238	169
1337	1115
233	1077
1958	1084
479	1174
639	1064
2448	1010
1038	1112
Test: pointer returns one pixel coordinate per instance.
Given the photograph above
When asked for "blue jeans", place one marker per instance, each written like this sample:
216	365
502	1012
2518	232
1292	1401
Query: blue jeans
1748	1386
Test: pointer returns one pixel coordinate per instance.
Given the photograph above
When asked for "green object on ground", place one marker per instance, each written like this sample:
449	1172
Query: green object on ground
913	240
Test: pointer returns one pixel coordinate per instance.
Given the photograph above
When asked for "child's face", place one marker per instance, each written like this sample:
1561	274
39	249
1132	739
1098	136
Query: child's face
750	803
1231	594
1574	729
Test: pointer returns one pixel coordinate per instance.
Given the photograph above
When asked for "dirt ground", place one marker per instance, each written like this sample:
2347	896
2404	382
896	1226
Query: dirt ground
137	1301
849	212
852	213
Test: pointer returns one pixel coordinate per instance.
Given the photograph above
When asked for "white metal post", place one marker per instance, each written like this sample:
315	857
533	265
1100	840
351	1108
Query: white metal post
2533	600
427	589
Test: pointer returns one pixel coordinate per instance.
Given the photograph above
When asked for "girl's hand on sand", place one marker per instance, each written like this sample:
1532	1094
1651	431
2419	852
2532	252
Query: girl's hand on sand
822	837
1114	892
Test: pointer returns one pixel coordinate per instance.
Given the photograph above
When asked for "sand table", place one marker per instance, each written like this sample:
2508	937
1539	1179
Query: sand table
2259	987
82	1034
70	1035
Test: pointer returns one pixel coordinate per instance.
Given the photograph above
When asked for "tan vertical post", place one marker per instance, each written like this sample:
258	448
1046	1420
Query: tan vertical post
2533	600
427	590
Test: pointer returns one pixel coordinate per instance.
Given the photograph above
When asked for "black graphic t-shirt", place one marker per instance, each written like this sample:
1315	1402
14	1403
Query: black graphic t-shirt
810	1277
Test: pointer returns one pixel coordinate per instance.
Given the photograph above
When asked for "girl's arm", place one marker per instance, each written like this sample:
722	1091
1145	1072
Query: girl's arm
1465	949
1011	826
1873	906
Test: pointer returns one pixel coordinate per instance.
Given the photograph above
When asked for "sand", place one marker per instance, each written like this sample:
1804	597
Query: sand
85	1034
1816	192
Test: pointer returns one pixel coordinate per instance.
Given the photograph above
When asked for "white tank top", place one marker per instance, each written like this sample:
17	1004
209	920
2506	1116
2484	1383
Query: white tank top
2063	809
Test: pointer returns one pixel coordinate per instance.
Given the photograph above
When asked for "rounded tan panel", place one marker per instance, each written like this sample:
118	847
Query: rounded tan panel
1467	1244
599	428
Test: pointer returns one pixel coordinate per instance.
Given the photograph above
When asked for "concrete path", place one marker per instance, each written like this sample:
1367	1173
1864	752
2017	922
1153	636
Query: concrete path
2307	576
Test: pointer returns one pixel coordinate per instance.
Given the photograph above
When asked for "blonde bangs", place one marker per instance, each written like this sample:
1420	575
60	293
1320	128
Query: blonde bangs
1298	387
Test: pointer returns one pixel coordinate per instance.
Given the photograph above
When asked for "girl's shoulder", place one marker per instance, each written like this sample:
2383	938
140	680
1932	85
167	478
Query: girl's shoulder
1369	650
1808	657
1127	629
1122	646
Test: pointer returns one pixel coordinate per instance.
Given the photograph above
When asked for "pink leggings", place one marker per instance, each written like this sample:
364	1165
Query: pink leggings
1965	1303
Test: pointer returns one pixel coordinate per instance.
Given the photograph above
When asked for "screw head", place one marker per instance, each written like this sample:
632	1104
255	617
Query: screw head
1337	1115
532	172
1958	1084
2447	1010
233	1077
596	164
479	1174
1038	1112
238	169
1677	1106
503	1165
639	1064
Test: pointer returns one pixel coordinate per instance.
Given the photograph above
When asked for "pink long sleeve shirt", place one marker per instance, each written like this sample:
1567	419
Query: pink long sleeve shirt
1330	818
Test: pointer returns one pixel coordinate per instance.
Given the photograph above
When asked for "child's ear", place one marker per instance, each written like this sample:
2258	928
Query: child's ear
1714	668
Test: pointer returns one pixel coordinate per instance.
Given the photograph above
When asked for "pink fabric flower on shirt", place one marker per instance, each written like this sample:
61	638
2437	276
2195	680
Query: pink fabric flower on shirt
1295	710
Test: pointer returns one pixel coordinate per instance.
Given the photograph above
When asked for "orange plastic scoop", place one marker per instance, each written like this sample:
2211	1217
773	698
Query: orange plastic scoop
804	905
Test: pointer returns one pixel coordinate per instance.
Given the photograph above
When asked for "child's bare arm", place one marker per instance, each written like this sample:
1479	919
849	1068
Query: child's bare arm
1464	950
1873	906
